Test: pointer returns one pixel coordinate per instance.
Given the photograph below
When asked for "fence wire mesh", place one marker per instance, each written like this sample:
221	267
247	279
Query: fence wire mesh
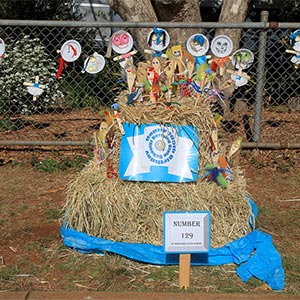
68	109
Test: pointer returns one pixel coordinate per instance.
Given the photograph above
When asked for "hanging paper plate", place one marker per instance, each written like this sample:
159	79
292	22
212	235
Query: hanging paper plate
197	45
239	79
221	46
94	64
2	47
70	50
295	40
242	59
122	42
158	39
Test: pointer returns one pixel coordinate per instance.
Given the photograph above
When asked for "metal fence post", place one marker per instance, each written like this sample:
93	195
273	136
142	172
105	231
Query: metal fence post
260	79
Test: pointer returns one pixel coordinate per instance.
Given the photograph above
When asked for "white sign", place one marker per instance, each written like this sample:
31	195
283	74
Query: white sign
187	232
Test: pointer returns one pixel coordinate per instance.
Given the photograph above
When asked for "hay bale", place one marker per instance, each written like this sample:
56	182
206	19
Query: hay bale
127	211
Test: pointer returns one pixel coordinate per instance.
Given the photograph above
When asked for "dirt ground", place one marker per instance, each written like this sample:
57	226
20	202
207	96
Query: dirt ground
33	257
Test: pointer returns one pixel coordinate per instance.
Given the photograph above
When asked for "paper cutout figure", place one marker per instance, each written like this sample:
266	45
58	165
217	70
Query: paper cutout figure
122	42
198	45
295	43
2	49
94	64
221	47
70	51
35	89
241	59
158	40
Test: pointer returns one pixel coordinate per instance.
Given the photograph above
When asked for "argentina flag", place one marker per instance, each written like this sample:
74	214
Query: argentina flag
159	153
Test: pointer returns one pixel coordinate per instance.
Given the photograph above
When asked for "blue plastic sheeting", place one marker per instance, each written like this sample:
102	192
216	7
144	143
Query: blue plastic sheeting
255	253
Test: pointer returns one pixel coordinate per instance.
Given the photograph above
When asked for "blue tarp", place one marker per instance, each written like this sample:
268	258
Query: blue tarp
254	253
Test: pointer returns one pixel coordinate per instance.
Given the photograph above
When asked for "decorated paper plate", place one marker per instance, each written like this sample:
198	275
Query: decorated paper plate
70	50
239	79
158	39
94	63
221	46
197	45
2	47
122	42
242	59
295	40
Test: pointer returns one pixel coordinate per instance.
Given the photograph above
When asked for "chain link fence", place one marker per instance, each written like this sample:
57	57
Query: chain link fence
265	112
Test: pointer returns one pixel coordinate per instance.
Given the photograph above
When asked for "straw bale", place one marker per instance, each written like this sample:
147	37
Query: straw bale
128	211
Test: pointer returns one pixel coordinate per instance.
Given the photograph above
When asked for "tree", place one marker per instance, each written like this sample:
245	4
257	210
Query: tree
39	10
153	11
233	11
180	11
24	60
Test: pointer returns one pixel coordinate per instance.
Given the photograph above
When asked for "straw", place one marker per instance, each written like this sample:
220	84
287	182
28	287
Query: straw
128	211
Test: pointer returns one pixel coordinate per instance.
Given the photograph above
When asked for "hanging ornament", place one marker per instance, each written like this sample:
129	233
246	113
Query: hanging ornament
2	49
94	64
221	47
69	52
241	59
35	88
158	40
121	42
198	45
295	43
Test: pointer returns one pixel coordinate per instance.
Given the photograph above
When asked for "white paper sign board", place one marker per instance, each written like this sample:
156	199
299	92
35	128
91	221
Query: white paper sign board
187	232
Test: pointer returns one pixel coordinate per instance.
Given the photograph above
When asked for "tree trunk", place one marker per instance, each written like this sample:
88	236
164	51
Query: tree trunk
136	11
233	11
187	11
159	10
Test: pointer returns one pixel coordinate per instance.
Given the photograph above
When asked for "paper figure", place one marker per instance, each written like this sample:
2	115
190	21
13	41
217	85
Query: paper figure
221	47
295	43
198	45
35	88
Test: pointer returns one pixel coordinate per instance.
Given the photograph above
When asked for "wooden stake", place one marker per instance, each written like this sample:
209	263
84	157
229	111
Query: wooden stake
184	270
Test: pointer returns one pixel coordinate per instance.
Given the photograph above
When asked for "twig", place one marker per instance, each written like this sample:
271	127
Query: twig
289	200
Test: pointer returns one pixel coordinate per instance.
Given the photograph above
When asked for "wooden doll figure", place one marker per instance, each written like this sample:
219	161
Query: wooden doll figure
177	63
152	78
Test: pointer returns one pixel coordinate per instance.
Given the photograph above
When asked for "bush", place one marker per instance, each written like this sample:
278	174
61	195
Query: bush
24	60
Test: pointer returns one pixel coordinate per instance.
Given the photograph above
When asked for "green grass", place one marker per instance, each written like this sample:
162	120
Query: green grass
7	125
53	213
53	165
6	273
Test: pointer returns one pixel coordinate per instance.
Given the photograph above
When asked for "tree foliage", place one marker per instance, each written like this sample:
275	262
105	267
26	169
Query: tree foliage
39	10
24	60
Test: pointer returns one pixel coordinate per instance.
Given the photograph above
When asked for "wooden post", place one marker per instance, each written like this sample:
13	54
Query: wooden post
184	270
